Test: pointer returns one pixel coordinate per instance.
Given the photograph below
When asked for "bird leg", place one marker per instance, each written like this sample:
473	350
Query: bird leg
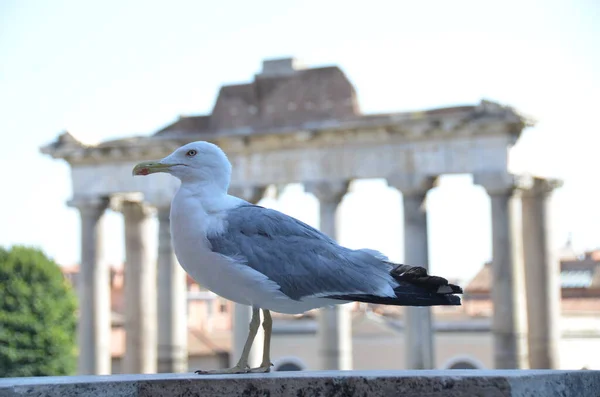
242	366
266	364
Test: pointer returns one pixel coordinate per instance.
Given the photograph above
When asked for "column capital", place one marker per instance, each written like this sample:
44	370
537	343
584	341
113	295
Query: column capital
540	187
412	184
328	191
139	209
500	183
131	206
252	194
132	203
89	205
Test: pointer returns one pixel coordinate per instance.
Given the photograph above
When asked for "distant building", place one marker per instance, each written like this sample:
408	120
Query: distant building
580	282
463	334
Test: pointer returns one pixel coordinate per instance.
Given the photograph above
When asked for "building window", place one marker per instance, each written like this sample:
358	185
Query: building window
463	362
289	364
462	365
288	367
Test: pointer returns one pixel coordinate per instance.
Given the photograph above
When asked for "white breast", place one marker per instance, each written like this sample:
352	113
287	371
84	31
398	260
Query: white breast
189	223
224	276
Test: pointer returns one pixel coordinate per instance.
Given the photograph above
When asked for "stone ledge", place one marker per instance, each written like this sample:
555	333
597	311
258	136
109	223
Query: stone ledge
455	383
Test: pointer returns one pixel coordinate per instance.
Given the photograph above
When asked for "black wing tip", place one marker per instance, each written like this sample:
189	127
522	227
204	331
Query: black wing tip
403	300
449	289
454	300
418	275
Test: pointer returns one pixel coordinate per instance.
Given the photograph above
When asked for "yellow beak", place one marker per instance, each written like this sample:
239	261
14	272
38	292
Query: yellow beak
150	167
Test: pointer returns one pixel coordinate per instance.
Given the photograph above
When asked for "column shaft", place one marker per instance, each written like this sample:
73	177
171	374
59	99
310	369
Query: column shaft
418	324
508	325
172	302
419	337
335	323
140	293
542	271
94	326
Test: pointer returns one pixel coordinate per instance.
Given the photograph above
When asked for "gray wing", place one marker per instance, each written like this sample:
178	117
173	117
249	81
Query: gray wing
300	259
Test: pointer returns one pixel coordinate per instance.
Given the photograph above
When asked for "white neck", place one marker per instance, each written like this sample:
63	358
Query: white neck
210	196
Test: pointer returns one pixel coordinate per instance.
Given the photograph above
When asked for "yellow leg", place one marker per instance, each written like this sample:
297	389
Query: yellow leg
242	366
266	364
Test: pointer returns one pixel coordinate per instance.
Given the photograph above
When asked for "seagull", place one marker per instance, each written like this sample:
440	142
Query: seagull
270	261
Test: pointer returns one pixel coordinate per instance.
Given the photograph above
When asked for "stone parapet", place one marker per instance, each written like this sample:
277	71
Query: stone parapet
326	383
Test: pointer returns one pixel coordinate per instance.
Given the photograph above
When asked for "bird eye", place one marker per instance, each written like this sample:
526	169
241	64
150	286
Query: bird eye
191	153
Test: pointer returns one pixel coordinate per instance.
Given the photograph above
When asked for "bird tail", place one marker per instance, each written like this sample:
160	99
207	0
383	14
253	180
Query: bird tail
415	288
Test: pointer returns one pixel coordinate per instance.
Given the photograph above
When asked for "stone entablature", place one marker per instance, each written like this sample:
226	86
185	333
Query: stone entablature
488	119
464	140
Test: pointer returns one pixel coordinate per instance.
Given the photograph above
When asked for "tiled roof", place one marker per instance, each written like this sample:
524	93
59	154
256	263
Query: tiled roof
200	343
482	280
581	272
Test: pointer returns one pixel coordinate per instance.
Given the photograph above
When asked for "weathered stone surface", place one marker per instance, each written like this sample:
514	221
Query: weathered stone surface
456	383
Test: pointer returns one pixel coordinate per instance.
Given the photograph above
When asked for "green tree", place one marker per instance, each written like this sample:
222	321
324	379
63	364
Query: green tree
37	315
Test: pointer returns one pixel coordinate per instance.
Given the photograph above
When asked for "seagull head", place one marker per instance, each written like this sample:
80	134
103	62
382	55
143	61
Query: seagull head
197	162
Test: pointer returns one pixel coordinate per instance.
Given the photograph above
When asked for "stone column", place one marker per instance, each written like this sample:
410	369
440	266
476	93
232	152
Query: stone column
507	289
542	273
93	288
335	323
243	313
418	320
172	302
140	292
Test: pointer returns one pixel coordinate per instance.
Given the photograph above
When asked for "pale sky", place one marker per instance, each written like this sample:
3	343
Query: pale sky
110	69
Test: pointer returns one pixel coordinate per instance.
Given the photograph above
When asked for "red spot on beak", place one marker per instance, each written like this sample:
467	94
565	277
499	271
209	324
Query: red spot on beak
144	171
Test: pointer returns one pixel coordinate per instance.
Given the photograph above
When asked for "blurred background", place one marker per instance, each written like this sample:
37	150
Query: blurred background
108	71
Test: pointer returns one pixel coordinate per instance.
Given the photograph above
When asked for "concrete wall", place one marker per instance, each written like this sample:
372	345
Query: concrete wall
341	383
